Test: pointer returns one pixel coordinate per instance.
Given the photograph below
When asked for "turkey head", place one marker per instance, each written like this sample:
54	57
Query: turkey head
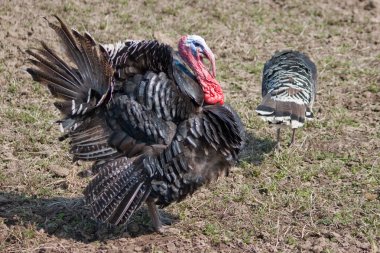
194	50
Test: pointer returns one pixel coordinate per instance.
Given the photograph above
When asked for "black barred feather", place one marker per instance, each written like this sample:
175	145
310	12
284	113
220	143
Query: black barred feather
139	122
138	113
161	95
133	57
288	89
192	159
118	190
89	138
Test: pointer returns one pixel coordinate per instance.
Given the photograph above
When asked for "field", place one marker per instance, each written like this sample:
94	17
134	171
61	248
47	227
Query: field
320	195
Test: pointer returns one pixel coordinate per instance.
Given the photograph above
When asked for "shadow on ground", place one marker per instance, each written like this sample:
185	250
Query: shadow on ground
69	218
256	148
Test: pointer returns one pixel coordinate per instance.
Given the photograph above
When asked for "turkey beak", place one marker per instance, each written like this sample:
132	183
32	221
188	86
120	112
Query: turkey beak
210	56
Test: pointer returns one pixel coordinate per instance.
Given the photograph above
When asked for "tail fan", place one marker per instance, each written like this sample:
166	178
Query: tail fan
79	89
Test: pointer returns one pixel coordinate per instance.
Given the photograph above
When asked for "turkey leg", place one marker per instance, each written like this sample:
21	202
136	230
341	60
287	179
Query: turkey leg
154	214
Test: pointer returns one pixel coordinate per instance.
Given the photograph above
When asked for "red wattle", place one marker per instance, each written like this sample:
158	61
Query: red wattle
213	93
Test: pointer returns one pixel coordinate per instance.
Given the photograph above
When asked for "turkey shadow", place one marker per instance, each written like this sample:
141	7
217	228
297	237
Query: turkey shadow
70	218
255	148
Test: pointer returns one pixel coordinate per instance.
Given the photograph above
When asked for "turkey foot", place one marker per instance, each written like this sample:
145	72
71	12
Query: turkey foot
158	220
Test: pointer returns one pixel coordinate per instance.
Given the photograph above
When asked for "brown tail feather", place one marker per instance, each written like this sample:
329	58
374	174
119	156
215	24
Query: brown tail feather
86	86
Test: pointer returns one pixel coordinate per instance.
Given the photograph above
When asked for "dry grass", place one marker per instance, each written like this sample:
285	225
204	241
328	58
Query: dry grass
322	195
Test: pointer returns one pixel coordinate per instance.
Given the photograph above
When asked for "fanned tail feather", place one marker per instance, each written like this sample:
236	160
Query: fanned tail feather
79	89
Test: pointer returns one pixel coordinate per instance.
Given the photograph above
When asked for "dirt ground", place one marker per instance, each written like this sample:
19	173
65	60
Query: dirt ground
321	195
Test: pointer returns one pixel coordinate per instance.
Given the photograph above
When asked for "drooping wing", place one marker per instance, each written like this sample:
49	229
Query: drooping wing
203	147
120	187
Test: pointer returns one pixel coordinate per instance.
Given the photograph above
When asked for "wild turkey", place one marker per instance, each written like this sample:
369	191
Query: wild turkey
155	129
288	89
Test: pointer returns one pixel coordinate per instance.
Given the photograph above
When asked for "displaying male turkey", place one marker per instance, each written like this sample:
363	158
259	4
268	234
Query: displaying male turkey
153	120
288	89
